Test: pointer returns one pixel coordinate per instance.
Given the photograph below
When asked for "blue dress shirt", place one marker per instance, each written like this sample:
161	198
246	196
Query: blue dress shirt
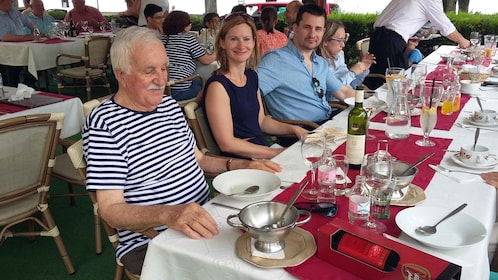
13	23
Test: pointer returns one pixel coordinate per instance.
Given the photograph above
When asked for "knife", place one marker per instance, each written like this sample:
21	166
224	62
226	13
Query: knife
226	206
489	83
448	171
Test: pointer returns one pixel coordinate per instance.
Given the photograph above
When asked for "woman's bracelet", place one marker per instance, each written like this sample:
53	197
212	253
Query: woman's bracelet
228	164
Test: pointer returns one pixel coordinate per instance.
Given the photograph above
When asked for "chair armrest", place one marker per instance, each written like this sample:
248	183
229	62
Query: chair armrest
59	56
341	105
309	125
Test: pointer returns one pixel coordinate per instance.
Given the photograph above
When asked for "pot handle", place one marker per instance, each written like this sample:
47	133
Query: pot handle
303	213
232	224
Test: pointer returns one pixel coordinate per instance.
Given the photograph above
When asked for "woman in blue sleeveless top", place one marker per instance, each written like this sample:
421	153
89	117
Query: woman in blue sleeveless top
232	100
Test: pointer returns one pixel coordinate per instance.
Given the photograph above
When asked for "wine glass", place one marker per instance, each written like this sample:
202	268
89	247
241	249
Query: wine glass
65	28
377	169
84	25
430	97
37	33
475	39
312	149
102	26
417	75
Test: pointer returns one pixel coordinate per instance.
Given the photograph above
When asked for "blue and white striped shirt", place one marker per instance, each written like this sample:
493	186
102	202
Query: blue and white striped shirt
148	155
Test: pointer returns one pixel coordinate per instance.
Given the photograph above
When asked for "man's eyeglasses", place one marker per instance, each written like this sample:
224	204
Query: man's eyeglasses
245	16
326	209
318	89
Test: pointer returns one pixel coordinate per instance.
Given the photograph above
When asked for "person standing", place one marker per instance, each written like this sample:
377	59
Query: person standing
294	80
82	12
400	21
142	159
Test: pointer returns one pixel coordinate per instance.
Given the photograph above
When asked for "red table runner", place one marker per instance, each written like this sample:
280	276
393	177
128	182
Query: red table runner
6	108
54	41
315	268
444	122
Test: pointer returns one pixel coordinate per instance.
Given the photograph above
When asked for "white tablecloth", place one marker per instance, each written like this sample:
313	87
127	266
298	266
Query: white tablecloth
72	109
172	255
38	56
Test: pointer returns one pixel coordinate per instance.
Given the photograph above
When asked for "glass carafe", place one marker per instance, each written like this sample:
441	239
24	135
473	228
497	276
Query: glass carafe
398	121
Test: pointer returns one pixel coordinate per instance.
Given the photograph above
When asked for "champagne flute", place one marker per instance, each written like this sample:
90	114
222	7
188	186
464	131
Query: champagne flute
312	149
377	169
431	95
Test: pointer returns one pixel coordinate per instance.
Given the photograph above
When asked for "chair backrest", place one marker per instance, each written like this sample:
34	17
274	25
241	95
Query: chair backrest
200	126
91	104
27	155
182	103
362	46
97	49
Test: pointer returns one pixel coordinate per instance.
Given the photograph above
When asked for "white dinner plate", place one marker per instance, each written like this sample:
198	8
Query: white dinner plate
456	232
237	180
488	124
492	163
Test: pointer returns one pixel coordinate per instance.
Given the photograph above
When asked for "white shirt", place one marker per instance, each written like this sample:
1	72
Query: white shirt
142	21
406	17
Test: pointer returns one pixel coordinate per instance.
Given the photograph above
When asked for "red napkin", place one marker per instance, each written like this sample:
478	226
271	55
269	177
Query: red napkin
53	41
316	268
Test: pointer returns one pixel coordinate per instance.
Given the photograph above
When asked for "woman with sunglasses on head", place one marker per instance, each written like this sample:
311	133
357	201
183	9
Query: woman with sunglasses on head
333	42
232	100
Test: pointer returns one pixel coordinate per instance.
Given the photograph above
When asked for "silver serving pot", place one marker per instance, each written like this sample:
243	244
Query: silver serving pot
256	217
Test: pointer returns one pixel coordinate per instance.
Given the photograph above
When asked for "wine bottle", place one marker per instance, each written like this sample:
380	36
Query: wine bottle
357	131
72	28
365	251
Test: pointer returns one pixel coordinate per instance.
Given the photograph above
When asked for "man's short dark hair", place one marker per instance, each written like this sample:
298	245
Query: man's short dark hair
306	2
151	9
239	8
310	9
209	16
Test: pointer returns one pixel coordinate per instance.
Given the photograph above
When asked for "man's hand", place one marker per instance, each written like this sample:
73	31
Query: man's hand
491	178
193	220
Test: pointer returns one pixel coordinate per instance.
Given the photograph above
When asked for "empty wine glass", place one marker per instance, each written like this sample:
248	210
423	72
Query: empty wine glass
430	97
377	169
84	25
312	149
418	73
37	33
102	26
65	27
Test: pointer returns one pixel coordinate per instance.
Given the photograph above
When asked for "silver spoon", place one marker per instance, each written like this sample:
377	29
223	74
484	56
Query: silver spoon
417	163
479	103
476	137
428	230
296	194
248	190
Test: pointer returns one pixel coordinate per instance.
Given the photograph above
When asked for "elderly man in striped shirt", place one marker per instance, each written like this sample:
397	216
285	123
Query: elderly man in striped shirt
142	158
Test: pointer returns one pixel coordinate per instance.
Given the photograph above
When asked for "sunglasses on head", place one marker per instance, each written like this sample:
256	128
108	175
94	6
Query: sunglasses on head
236	14
326	209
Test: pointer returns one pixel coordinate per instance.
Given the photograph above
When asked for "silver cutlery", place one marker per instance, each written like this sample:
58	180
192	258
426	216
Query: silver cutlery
444	169
428	230
473	126
226	206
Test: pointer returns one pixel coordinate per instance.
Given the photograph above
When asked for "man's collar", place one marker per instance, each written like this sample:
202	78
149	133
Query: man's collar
298	54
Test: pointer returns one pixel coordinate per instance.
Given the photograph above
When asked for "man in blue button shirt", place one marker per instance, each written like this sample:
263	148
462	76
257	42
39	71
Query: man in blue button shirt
294	80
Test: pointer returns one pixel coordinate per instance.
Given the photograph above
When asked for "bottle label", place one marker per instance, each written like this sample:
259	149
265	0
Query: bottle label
355	148
359	204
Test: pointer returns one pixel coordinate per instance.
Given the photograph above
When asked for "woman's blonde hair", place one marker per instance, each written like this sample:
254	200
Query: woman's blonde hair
331	27
230	22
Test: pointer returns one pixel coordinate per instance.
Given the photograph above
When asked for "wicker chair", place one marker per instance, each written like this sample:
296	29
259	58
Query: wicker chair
182	103
362	47
27	155
75	152
64	170
95	62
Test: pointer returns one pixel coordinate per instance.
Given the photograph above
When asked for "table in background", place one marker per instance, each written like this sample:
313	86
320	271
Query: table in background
174	255
39	56
72	109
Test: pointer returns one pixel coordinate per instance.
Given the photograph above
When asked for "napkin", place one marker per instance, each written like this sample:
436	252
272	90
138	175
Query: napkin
280	255
23	91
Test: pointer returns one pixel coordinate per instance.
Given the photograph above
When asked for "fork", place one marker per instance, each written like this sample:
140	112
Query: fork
461	171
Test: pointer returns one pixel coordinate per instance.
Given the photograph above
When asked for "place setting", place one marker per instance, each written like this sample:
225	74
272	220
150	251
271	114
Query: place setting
440	227
483	118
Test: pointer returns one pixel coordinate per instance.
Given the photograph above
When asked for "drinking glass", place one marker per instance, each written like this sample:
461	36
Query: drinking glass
102	26
341	169
37	33
65	27
90	30
312	149
417	75
475	39
370	111
431	95
84	25
377	169
326	183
